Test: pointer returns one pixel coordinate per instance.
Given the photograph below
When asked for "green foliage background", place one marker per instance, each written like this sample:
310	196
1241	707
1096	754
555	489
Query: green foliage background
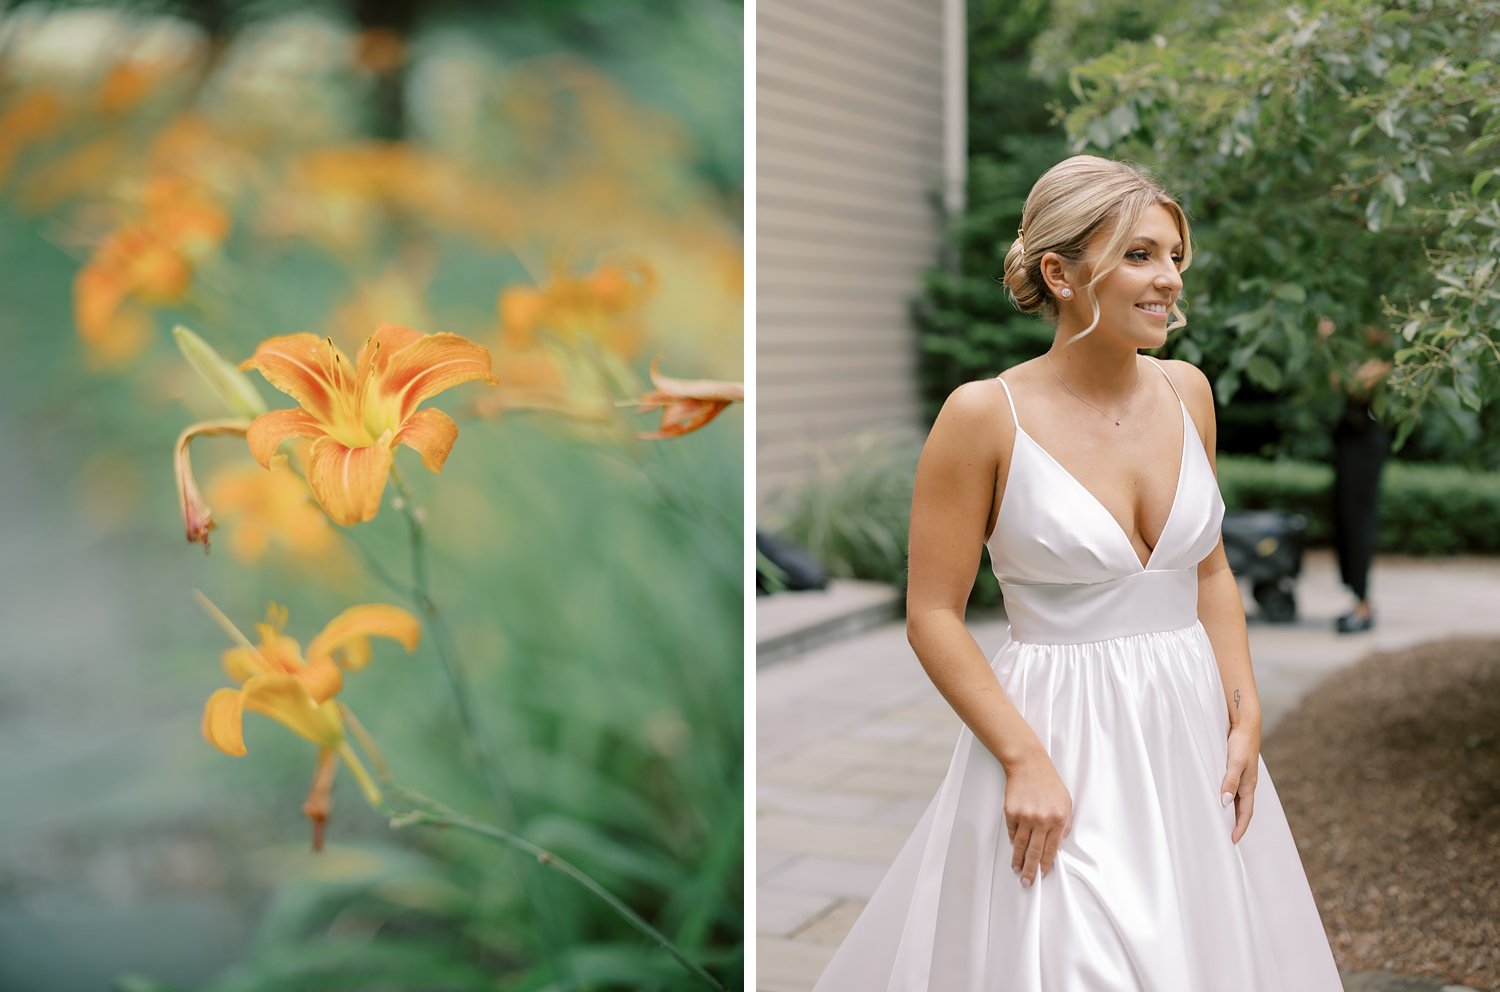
1338	162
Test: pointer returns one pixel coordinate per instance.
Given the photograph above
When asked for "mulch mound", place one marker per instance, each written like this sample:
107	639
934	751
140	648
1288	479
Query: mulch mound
1390	775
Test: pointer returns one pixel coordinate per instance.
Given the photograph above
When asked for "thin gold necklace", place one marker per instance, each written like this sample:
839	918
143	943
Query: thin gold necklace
1063	383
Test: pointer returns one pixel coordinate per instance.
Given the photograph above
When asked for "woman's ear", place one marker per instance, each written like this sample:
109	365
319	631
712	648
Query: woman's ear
1056	274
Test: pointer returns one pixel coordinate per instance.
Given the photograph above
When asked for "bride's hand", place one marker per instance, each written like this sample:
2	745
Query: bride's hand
1240	774
1038	815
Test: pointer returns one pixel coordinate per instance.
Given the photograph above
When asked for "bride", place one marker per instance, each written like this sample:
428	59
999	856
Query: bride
1106	822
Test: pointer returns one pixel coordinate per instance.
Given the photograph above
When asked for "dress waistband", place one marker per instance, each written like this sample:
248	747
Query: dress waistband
1140	603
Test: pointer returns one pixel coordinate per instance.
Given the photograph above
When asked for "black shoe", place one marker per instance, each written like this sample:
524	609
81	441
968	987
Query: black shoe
1353	623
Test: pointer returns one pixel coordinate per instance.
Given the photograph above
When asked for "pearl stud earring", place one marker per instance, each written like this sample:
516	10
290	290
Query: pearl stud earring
1067	294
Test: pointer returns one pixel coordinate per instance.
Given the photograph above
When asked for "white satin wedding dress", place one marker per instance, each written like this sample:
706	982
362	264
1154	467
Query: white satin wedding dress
1107	661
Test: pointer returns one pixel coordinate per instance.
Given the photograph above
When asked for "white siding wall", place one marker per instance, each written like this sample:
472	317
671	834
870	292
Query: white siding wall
850	150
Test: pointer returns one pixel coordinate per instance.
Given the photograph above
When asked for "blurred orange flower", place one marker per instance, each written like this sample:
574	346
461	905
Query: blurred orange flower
34	115
603	306
397	295
686	404
338	195
275	680
147	262
127	83
539	361
357	415
262	507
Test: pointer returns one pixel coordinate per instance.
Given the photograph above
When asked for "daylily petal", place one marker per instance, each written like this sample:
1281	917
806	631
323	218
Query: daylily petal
279	652
307	368
681	417
430	433
428	366
322	679
269	430
197	518
380	346
716	390
243	664
222	719
346	638
286	700
348	482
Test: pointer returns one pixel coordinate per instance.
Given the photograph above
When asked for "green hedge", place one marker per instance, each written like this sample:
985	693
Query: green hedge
852	515
1424	509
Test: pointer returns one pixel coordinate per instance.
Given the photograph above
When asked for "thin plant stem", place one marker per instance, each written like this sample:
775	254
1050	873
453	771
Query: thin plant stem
500	795
550	860
381	573
443	643
361	774
367	742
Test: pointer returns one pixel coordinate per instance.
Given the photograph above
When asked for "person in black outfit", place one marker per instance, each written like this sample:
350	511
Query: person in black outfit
1360	447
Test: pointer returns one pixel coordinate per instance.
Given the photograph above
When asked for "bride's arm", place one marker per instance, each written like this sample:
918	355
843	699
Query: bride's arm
951	508
1222	614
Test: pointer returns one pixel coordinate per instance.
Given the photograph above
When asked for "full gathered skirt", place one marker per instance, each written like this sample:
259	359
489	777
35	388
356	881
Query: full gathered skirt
1147	892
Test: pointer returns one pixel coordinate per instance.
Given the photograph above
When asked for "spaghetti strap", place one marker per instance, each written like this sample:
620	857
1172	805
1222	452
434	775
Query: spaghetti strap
1011	400
1164	373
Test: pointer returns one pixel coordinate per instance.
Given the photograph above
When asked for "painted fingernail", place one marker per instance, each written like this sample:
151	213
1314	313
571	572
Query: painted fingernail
1226	799
1025	883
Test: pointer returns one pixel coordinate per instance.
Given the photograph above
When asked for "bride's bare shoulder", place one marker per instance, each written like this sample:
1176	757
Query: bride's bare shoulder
975	410
1192	385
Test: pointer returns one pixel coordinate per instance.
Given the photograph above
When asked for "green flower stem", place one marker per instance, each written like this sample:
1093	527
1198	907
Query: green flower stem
361	774
379	571
501	798
550	860
443	642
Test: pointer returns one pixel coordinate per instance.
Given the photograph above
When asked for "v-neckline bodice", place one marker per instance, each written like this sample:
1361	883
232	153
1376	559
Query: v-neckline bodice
1099	504
1050	529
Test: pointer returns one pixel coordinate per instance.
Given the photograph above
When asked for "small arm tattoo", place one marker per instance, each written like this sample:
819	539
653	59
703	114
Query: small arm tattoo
1236	700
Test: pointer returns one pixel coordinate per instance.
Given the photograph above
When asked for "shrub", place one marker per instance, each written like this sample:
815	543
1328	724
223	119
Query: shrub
852	514
1424	509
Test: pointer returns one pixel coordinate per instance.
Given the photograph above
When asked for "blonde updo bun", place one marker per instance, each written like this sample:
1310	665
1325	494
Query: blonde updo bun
1071	203
1027	290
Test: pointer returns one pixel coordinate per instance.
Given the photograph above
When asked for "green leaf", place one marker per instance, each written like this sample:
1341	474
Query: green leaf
1466	383
1264	373
1226	385
1290	292
231	385
1396	186
1479	181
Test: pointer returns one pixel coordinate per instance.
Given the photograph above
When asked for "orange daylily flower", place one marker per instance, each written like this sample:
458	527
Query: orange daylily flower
554	374
150	261
603	305
686	404
276	680
357	415
262	507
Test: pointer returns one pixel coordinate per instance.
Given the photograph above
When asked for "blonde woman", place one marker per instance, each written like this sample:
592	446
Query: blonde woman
1106	823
